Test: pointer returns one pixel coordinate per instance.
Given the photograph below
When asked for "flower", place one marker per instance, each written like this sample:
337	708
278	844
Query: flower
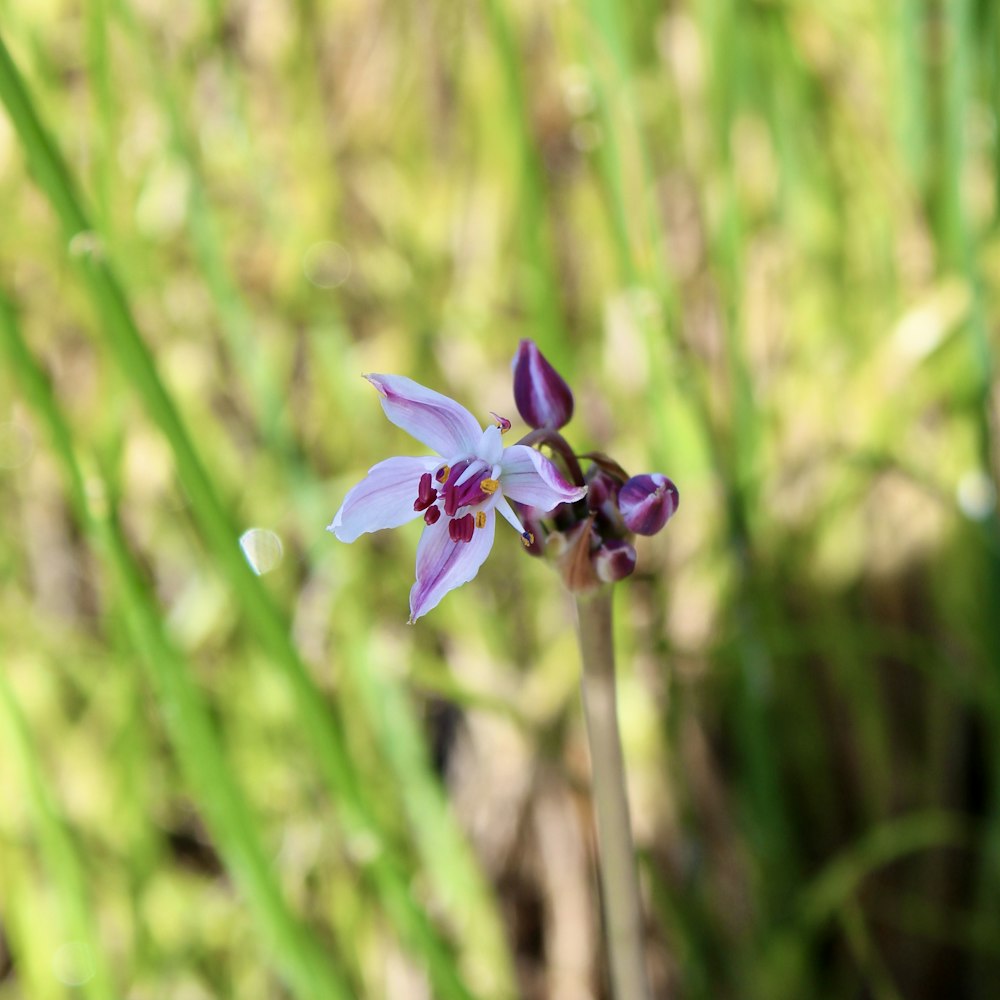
457	491
542	396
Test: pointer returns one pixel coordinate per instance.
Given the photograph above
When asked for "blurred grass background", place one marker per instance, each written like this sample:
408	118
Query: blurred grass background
759	237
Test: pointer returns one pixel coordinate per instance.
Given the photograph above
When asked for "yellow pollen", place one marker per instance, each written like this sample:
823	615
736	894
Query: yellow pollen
443	473
528	538
480	518
490	486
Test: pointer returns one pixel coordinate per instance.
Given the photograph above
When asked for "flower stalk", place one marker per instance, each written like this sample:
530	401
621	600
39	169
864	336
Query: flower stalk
618	876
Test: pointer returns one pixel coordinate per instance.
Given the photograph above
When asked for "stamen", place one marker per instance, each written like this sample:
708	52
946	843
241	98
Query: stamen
502	422
480	518
426	494
450	500
460	529
528	539
489	486
442	474
504	510
432	515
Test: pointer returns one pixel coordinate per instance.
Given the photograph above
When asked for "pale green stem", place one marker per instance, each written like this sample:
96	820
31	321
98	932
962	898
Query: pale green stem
619	879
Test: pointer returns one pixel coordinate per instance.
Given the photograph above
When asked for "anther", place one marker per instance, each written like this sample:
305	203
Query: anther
528	539
426	494
431	515
442	474
460	528
502	422
489	486
480	518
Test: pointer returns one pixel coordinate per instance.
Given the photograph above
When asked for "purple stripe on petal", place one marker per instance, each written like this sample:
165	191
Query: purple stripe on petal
647	502
443	564
430	417
529	477
384	499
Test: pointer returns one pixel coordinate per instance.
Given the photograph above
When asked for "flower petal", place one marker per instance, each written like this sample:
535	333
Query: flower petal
529	477
437	421
443	565
384	499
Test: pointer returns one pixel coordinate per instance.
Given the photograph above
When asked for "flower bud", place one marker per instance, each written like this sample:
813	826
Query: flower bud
601	488
542	396
602	502
614	560
647	502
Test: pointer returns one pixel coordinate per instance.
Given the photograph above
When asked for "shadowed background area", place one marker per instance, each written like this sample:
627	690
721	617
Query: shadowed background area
760	240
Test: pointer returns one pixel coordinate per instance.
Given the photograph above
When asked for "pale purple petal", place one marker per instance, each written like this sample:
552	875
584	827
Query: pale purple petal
529	477
443	565
384	499
437	421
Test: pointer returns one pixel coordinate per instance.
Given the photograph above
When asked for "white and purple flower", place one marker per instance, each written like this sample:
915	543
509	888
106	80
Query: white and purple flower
458	491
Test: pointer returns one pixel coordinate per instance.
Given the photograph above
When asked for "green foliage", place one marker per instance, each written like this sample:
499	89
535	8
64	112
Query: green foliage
759	239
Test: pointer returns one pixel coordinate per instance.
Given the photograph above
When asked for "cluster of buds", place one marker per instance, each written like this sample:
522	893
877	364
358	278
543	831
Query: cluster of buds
590	539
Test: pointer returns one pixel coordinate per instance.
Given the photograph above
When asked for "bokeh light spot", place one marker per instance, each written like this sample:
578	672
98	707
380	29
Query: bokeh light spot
72	963
976	495
327	264
262	549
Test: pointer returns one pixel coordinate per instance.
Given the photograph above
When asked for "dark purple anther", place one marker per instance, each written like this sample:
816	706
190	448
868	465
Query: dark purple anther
426	494
431	515
502	422
448	490
461	529
614	560
647	502
542	396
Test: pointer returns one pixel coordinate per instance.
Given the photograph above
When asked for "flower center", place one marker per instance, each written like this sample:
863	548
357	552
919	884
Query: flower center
467	483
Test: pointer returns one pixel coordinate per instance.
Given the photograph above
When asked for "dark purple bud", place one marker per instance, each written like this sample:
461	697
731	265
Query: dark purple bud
602	501
542	396
601	488
647	502
614	560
